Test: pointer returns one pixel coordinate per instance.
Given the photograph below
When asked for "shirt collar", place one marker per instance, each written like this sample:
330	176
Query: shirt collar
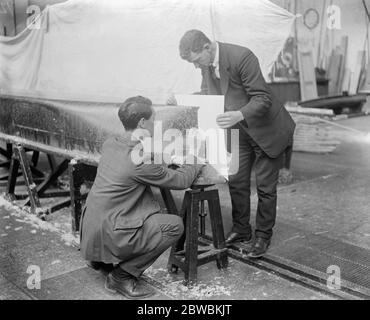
215	62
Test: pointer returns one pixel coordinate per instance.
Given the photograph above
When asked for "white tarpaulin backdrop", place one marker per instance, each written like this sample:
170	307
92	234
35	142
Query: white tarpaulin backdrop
108	50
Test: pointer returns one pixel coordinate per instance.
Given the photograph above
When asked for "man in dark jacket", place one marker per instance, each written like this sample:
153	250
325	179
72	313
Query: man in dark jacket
265	130
122	223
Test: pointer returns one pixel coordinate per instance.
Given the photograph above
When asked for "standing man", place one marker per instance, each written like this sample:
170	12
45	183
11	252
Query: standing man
265	130
122	223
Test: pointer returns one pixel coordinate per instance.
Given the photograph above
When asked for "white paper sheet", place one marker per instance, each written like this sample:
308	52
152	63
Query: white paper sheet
213	137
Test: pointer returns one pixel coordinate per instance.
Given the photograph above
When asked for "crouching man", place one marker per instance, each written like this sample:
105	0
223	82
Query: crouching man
122	227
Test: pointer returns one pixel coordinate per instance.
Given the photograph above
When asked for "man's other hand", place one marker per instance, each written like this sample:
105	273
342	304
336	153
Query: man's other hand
228	119
171	101
177	160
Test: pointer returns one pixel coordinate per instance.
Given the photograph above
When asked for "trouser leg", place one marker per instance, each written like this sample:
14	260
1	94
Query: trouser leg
172	228
288	156
267	175
239	186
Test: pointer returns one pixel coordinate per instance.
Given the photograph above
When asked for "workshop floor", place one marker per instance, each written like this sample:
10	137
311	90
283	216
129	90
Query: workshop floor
326	202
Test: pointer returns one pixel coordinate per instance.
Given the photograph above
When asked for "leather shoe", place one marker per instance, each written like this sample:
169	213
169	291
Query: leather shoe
97	265
234	237
259	248
130	287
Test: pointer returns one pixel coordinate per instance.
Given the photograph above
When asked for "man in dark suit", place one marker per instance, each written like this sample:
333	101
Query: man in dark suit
122	223
265	130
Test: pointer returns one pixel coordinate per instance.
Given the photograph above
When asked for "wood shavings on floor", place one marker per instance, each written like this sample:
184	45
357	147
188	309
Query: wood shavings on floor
177	290
23	216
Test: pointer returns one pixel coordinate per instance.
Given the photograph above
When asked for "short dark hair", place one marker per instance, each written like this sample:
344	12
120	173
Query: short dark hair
192	41
133	110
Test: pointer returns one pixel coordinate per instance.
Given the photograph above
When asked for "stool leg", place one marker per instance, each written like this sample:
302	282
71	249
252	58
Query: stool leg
202	215
78	174
76	182
217	228
169	201
191	254
179	245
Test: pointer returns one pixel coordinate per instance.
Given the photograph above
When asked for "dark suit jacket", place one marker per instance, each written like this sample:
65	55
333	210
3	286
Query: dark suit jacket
241	81
121	200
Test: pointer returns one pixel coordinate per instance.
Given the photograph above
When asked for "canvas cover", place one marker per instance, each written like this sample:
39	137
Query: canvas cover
108	50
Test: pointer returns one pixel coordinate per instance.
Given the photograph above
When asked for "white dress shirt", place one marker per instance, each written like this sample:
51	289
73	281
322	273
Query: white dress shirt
216	63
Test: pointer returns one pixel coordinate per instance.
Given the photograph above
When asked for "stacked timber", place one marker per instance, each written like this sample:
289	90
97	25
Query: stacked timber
311	134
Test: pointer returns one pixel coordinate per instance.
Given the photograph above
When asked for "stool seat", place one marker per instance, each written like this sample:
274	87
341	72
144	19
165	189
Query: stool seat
187	254
201	186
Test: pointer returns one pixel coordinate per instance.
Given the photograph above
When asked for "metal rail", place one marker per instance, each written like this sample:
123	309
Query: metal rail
295	273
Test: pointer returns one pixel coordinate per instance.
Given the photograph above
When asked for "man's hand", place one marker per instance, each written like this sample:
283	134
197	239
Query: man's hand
177	160
228	119
171	101
189	159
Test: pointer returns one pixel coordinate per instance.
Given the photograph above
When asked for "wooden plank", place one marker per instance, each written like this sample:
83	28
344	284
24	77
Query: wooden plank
333	72
312	111
307	75
365	88
362	77
343	51
360	62
346	80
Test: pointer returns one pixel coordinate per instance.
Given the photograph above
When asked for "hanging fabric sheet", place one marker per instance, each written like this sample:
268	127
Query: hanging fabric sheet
108	50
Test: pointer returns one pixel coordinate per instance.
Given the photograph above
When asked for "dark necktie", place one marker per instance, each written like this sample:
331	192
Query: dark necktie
212	71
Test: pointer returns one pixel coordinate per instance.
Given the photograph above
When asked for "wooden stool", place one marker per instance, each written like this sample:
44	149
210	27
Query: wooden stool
189	259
